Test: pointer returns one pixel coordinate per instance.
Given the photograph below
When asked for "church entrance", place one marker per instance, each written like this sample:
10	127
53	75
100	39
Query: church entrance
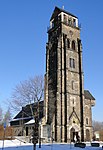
74	135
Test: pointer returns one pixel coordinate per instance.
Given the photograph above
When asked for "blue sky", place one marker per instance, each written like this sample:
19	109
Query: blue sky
23	37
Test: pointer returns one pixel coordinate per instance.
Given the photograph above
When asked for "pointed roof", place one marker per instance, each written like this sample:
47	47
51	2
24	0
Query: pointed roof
26	110
58	11
74	113
88	95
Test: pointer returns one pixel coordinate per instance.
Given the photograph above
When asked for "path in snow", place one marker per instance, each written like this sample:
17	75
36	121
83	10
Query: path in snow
17	145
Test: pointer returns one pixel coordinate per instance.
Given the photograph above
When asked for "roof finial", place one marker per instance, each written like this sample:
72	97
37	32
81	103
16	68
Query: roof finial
63	7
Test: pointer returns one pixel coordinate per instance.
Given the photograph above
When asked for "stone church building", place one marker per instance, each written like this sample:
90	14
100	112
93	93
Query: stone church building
66	112
67	106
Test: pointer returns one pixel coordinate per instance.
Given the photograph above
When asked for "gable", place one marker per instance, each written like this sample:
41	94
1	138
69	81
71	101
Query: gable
74	117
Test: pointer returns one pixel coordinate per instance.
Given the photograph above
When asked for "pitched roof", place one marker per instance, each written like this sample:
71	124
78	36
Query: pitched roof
59	10
26	111
88	95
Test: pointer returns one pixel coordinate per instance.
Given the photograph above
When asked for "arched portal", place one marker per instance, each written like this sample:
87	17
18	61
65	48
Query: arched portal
87	135
72	134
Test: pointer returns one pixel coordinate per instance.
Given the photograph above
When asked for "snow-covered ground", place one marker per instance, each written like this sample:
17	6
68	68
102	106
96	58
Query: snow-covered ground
17	145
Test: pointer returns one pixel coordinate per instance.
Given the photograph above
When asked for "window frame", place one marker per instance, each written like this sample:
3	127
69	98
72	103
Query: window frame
87	121
72	63
68	43
73	45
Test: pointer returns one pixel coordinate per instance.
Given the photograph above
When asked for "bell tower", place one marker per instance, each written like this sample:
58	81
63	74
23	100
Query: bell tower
64	81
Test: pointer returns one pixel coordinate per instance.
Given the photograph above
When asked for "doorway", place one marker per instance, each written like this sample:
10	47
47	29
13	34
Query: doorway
72	134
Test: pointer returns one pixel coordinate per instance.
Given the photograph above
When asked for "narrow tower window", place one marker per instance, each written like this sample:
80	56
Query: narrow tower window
65	19
69	22
73	45
74	22
68	43
72	85
73	102
87	122
72	63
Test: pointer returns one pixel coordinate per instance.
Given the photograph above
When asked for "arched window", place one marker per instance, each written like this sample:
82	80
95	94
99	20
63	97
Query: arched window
65	19
87	121
72	63
68	43
72	85
69	22
73	45
72	134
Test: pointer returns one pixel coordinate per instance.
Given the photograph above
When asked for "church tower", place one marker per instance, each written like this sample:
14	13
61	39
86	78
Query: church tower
66	101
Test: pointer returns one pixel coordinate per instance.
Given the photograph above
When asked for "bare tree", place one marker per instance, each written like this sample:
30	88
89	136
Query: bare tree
97	125
27	92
